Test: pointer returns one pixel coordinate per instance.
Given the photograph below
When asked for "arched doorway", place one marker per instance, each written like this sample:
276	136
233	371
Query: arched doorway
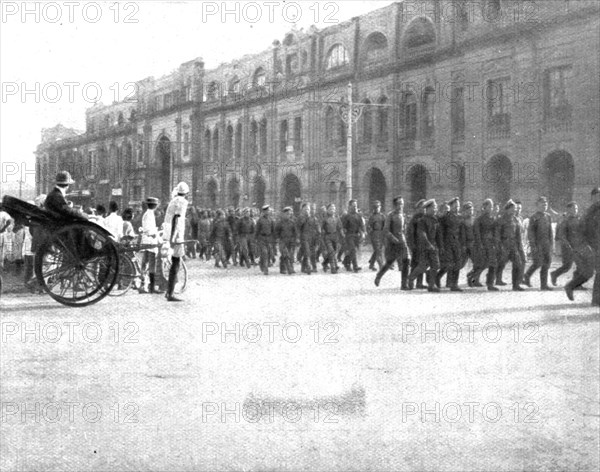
211	193
292	191
259	192
559	172
163	158
377	187
417	181
497	179
234	193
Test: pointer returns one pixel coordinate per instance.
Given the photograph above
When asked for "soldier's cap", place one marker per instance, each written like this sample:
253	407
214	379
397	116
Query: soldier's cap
571	204
266	207
467	205
287	209
595	191
429	203
397	199
509	204
152	201
488	201
450	202
542	200
376	203
421	203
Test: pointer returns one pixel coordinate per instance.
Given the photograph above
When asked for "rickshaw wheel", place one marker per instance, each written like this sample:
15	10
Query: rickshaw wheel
78	264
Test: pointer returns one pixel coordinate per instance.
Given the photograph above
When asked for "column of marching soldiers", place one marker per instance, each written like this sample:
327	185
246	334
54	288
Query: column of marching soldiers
430	245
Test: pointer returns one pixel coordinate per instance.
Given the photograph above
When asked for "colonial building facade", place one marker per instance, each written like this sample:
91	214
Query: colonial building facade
477	99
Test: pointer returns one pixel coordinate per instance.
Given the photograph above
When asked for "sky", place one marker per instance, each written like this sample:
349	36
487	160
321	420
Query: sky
58	51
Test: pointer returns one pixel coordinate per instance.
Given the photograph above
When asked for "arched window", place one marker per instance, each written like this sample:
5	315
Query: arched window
253	138
382	121
260	77
263	137
337	57
234	85
329	120
215	143
420	33
367	127
207	145
428	112
238	141
376	47
229	143
409	116
212	91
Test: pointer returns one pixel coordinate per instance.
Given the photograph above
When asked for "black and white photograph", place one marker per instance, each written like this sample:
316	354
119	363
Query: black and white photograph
300	236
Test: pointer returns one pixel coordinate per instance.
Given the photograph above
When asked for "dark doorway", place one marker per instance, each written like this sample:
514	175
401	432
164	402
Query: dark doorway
559	170
292	192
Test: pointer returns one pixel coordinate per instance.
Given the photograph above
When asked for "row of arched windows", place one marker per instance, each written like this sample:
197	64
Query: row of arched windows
232	144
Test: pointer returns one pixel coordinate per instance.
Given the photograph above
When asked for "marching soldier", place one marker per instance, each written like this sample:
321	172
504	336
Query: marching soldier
571	218
428	245
265	229
333	233
412	240
591	232
540	241
485	231
220	237
285	232
511	246
309	230
354	229
467	239
245	231
231	247
396	248
375	230
452	248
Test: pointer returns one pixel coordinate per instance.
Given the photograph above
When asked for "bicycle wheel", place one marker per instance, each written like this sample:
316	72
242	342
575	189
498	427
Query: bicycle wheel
182	275
125	278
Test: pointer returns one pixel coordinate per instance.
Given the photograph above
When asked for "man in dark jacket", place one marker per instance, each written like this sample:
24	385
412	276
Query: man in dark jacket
265	229
286	234
56	200
375	230
354	230
485	231
428	245
590	226
413	242
309	230
539	234
452	248
510	244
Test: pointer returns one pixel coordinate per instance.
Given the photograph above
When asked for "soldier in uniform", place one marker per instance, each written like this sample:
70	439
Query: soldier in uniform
566	249
333	233
265	229
286	234
540	240
590	225
231	247
485	231
428	244
354	229
510	244
452	247
309	230
375	227
396	248
467	238
220	237
245	231
413	243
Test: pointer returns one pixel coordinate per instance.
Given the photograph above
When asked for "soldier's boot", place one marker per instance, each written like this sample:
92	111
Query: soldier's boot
381	273
372	262
544	279
431	275
490	279
438	278
282	266
405	280
527	277
499	273
420	285
290	267
573	284
516	279
454	283
554	278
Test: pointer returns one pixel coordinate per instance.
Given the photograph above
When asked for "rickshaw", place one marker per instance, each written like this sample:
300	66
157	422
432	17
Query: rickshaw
77	262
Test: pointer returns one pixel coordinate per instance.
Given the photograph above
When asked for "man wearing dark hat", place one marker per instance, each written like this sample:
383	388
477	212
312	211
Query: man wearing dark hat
412	239
265	229
510	244
428	245
375	227
309	230
396	248
568	224
333	233
539	234
354	228
56	200
285	232
590	224
452	248
485	231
